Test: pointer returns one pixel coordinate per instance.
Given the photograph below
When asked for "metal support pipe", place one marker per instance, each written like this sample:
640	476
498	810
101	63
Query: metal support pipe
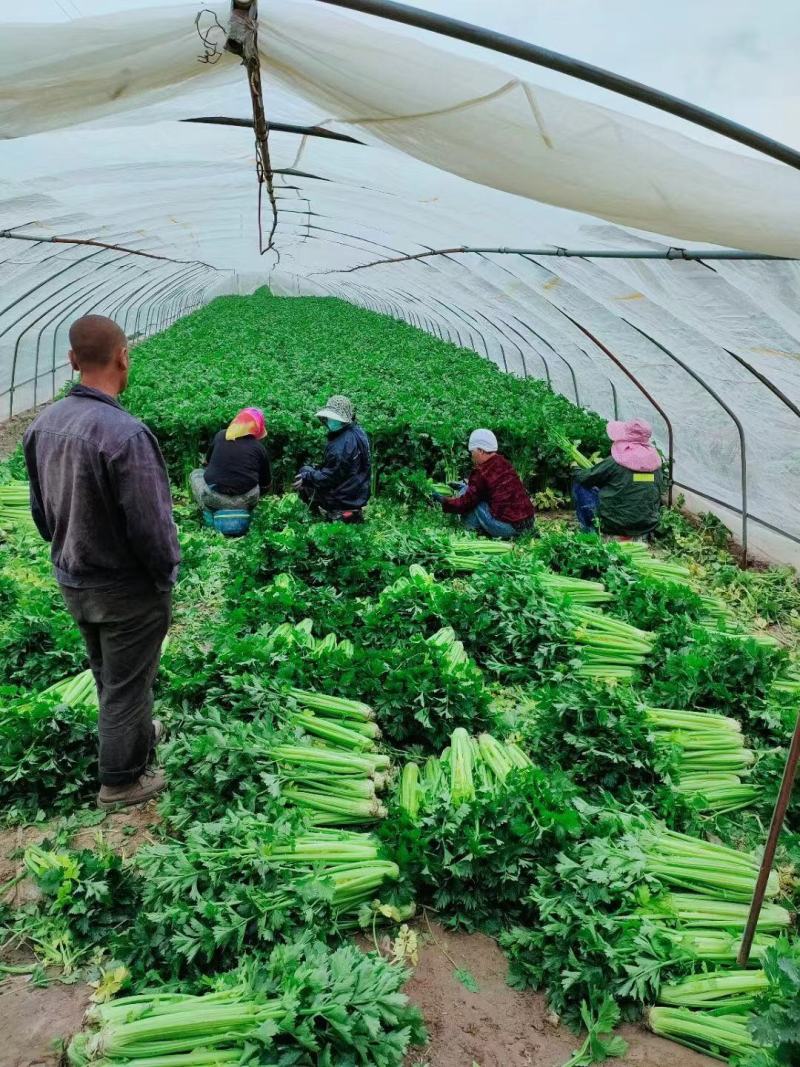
671	253
45	281
175	293
555	352
278	127
166	292
732	507
117	308
36	239
72	302
48	297
575	68
184	273
778	815
727	409
65	316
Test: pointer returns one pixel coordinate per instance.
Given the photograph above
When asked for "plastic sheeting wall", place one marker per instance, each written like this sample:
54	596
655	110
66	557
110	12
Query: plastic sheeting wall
709	352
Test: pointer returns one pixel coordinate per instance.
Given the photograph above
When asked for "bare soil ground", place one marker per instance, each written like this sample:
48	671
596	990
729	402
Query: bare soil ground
35	1022
496	1026
123	831
493	1027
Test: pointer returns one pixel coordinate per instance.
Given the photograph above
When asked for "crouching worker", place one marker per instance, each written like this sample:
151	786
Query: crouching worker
340	488
494	501
237	472
622	494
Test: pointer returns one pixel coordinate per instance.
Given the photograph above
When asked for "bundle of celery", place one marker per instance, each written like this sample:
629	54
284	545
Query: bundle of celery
721	1036
280	1009
725	992
250	879
216	762
473	826
469	764
685	862
455	655
610	649
717	613
571	450
289	637
470	553
80	690
719	946
711	755
15	505
705	914
605	914
338	721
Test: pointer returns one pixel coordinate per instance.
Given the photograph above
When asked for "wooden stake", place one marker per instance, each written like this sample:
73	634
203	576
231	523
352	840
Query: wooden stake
771	846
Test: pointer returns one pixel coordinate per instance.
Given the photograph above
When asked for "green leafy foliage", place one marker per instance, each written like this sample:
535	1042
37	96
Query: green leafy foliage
288	355
216	763
601	735
222	888
48	755
420	696
775	1026
726	674
87	898
600	1044
469	860
39	642
515	630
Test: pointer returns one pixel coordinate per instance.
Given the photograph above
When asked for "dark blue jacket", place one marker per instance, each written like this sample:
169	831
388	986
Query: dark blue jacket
343	479
100	494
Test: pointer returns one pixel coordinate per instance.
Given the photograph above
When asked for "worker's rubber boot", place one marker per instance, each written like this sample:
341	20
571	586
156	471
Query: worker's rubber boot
150	784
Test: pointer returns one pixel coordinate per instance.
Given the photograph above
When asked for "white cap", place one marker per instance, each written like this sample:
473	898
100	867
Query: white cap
484	439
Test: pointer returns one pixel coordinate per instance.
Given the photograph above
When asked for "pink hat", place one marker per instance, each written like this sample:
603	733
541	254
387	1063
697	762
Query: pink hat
248	421
631	447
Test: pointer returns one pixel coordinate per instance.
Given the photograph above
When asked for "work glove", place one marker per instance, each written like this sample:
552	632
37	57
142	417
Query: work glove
297	484
456	485
437	498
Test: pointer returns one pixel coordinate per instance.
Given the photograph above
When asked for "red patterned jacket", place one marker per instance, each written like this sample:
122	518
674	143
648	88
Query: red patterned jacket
497	483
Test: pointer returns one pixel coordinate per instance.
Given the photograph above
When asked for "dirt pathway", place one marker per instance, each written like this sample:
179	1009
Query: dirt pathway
498	1027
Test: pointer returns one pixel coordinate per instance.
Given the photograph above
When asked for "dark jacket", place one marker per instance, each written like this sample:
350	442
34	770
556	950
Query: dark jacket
498	484
630	501
100	494
236	467
343	479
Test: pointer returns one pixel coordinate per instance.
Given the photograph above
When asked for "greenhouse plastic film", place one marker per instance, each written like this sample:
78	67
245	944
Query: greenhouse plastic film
430	118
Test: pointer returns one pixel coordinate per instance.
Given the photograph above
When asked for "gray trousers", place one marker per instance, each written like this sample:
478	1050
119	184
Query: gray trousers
123	628
206	497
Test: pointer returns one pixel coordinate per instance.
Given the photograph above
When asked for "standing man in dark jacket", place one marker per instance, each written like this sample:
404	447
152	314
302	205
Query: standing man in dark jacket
341	486
494	501
100	496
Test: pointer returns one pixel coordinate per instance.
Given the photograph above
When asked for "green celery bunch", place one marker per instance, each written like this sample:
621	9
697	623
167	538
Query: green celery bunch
249	880
302	1000
469	827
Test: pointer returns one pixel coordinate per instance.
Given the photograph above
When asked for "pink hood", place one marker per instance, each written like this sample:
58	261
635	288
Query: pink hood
631	446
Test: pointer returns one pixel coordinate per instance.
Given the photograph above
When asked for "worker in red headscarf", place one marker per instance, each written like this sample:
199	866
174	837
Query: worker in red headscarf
622	494
237	467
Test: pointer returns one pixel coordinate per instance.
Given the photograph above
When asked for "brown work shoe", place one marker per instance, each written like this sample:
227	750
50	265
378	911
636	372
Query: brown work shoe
143	789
